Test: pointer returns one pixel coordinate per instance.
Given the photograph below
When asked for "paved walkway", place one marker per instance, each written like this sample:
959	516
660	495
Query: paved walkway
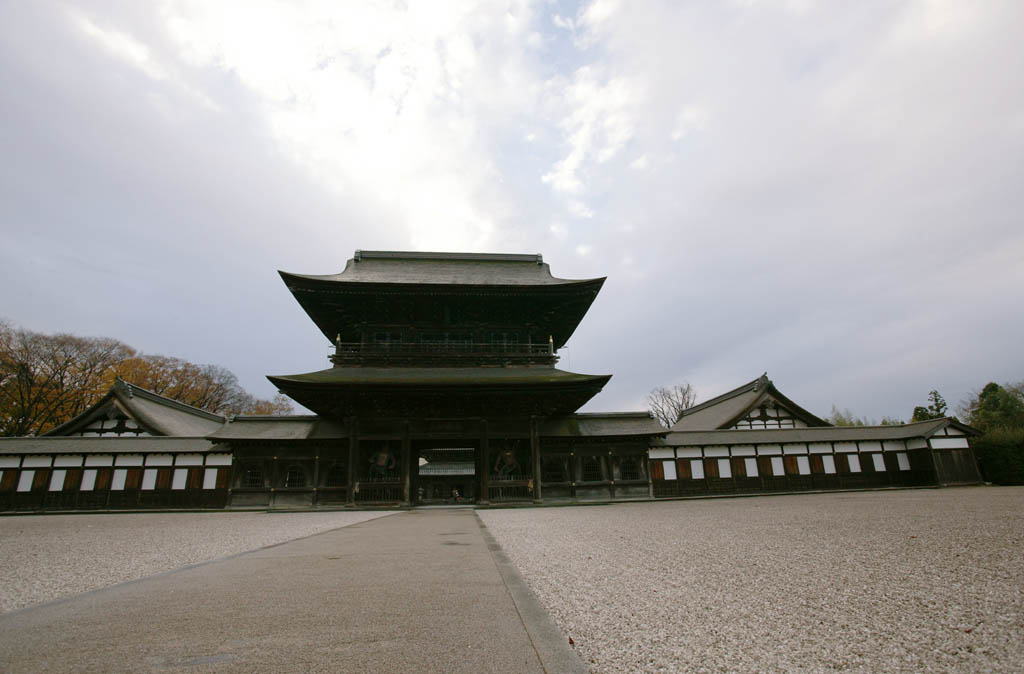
419	591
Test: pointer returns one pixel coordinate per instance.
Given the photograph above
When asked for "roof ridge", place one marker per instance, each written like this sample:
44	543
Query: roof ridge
749	386
131	389
429	255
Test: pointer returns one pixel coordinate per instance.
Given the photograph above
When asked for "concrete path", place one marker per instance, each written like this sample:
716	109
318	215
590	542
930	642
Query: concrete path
419	591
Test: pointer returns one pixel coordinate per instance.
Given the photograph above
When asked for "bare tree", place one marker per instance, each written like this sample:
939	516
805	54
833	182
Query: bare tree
668	404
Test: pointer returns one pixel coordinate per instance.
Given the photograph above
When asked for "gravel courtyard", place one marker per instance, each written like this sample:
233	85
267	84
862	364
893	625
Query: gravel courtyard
910	581
45	557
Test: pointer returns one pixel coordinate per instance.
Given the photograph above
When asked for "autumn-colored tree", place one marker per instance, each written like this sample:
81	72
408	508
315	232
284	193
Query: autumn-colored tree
45	380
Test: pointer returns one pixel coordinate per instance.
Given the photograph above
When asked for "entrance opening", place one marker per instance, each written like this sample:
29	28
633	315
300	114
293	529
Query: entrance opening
446	475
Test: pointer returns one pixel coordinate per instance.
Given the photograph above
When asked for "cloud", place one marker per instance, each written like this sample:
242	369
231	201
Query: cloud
826	191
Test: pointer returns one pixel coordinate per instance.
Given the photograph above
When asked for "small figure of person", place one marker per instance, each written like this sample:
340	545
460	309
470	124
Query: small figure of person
455	494
506	466
381	465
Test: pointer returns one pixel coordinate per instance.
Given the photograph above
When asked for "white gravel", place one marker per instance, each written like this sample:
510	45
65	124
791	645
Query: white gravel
901	581
45	557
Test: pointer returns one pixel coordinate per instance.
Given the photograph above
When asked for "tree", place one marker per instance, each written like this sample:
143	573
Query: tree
995	407
45	380
668	404
936	408
846	418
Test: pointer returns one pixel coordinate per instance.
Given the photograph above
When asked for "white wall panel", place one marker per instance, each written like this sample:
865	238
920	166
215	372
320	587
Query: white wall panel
657	453
225	459
188	460
716	451
99	460
803	465
696	469
853	461
778	468
210	478
88	480
128	460
917	443
37	462
870	446
67	461
894	446
57	480
743	450
769	450
670	469
949	443
180	476
879	462
159	459
796	448
25	480
751	467
952	431
10	461
688	452
820	447
724	469
829	462
903	460
845	447
120	475
149	479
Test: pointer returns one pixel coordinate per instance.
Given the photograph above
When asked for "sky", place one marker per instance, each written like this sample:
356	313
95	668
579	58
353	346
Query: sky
827	191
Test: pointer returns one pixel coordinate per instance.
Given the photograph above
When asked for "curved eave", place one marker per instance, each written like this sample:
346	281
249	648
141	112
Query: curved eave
499	392
413	378
312	292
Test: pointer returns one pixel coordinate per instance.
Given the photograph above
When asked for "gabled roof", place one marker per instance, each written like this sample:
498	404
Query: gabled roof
397	267
723	411
920	429
154	413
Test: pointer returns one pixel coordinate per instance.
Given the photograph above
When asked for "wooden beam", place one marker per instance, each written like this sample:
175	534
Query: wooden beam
535	458
353	451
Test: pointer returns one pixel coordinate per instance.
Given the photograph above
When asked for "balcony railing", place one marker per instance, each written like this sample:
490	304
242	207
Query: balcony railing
448	351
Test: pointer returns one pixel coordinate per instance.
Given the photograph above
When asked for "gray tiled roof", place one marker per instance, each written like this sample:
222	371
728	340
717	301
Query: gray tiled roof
603	424
442	268
102	445
922	429
299	427
157	414
721	410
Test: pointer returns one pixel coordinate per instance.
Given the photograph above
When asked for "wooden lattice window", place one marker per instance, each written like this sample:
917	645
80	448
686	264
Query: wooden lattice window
552	469
253	478
592	469
295	477
337	476
629	468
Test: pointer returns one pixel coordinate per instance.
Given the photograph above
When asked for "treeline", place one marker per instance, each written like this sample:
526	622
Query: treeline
46	380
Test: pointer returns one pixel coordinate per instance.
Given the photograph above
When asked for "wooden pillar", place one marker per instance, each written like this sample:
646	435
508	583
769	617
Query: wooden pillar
406	462
353	452
316	475
485	462
535	455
